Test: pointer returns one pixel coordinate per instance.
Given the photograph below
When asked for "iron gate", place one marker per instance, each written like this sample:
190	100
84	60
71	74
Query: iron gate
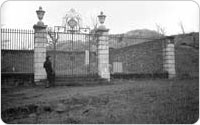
73	53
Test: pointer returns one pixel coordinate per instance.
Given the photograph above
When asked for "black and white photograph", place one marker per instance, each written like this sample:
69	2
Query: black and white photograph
99	62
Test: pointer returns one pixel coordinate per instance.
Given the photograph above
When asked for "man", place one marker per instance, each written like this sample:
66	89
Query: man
49	71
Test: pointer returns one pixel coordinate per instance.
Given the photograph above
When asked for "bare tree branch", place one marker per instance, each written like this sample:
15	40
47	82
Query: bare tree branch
182	27
161	30
94	22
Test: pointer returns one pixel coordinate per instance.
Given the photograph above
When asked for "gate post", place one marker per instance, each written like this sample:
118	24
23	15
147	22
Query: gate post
103	52
40	40
169	58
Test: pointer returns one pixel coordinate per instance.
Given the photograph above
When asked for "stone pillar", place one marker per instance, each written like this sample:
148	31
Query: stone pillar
40	40
103	53
39	52
169	58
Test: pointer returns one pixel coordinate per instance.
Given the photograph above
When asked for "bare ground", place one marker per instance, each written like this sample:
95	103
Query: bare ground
145	101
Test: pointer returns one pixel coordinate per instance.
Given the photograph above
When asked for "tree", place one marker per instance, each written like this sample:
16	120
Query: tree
93	27
94	22
54	36
161	30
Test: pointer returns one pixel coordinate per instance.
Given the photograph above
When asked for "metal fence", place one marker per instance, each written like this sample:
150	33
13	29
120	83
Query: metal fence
73	54
17	47
17	39
76	53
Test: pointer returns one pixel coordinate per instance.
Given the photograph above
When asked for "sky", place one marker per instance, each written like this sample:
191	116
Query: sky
121	16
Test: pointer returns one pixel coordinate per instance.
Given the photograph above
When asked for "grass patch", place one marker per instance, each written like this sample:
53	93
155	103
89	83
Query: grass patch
133	102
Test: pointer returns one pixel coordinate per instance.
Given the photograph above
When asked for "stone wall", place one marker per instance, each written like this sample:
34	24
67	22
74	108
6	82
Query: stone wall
17	61
187	61
144	58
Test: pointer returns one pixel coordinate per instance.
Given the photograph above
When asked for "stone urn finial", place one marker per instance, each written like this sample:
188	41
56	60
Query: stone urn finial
102	18
40	15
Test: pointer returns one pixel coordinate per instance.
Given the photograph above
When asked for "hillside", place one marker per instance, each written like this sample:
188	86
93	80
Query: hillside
133	37
142	33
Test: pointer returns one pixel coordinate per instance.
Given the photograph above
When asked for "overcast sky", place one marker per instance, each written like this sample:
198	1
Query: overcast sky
122	16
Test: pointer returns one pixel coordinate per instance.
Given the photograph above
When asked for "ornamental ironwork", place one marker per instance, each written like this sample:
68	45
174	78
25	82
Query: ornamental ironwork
72	19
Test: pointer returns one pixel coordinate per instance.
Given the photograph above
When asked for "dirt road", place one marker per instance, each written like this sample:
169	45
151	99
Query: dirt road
146	101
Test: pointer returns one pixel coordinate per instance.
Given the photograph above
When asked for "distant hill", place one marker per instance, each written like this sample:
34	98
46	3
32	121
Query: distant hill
143	33
133	37
189	39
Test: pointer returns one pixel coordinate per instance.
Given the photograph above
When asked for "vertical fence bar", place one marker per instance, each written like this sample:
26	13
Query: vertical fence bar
9	46
10	38
20	39
77	48
5	39
69	52
89	52
23	36
17	40
7	35
54	52
27	39
2	38
85	48
30	39
18	32
8	32
14	38
28	45
74	52
97	41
